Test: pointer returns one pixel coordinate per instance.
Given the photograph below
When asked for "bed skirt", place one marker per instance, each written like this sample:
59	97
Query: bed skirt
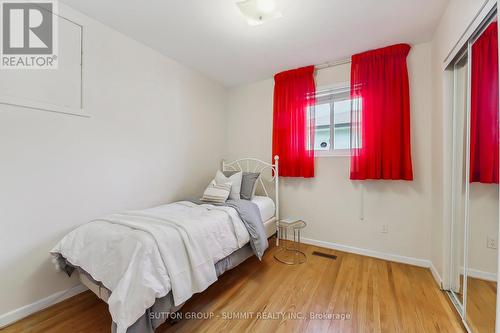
164	307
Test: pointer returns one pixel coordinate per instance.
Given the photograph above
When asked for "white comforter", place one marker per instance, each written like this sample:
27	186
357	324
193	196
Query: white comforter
142	255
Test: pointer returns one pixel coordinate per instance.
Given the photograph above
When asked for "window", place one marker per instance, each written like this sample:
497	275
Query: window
332	122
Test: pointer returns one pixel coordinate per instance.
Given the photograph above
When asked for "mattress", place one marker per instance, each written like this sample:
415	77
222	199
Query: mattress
103	293
236	257
266	207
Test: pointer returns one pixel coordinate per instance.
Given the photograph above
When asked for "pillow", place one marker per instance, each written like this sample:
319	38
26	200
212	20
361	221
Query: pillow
229	173
217	193
248	185
235	181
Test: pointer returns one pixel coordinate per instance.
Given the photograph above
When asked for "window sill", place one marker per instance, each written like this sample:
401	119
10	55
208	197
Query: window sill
335	153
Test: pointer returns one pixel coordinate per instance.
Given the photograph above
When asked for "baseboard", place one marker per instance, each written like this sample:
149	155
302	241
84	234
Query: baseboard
15	315
482	275
436	275
20	313
380	255
369	253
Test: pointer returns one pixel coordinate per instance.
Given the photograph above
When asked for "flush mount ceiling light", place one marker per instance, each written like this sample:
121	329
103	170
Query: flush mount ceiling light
257	12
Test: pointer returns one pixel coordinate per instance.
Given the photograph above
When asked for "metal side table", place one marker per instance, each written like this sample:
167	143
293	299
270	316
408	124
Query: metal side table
289	251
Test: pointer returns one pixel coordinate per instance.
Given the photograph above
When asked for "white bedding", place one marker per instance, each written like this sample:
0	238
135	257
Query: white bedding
133	256
266	207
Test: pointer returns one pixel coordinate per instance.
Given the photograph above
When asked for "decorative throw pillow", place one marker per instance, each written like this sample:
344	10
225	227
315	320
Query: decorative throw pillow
248	185
235	181
217	193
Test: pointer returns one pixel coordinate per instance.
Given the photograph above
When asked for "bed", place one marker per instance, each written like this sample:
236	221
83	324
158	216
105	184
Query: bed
146	264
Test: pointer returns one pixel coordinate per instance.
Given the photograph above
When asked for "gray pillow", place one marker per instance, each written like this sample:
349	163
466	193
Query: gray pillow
229	173
248	185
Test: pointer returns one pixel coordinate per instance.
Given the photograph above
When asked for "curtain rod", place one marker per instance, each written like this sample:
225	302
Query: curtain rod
333	63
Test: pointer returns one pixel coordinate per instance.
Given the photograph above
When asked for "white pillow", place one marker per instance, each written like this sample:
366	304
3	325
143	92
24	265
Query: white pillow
235	181
216	192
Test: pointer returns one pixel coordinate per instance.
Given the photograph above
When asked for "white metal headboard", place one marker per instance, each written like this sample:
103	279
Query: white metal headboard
268	174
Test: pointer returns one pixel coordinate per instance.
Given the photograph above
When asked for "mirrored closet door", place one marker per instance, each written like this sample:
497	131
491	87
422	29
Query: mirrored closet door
475	172
459	182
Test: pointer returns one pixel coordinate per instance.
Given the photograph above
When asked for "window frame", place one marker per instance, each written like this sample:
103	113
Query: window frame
331	95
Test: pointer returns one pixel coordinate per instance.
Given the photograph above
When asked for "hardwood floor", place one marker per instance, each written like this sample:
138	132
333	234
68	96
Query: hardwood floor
374	295
481	305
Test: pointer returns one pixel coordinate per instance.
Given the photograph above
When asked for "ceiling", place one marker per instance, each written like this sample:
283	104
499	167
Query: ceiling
212	37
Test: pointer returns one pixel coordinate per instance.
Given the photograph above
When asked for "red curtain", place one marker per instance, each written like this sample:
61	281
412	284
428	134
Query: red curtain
484	108
293	128
380	131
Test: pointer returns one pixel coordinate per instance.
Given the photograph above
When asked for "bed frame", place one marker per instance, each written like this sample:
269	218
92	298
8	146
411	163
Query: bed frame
268	177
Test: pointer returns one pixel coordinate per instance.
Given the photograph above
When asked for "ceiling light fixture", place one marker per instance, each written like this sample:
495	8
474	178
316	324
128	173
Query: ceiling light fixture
266	6
257	12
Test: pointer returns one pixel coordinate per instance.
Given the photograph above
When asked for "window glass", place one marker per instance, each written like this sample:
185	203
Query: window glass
323	131
342	111
322	139
333	121
342	124
322	114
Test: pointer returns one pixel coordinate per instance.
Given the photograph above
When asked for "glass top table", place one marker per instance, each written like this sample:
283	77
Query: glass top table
289	251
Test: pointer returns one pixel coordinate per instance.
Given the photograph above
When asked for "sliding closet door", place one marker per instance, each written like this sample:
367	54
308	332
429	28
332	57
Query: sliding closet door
483	182
475	178
459	181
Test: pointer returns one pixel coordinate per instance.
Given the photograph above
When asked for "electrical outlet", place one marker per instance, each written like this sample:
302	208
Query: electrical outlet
491	242
385	228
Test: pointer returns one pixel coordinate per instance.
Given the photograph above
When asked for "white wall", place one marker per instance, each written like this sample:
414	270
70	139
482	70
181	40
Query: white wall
330	202
158	130
156	134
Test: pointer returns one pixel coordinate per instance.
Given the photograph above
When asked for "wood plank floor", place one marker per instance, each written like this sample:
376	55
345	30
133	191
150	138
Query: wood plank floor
374	295
481	305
